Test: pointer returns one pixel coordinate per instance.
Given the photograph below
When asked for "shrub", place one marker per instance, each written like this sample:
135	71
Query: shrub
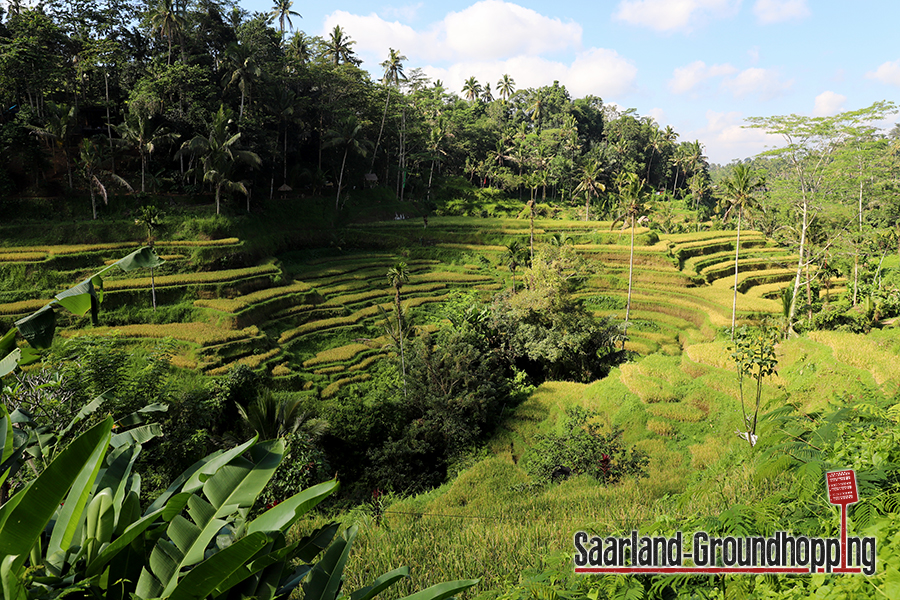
585	449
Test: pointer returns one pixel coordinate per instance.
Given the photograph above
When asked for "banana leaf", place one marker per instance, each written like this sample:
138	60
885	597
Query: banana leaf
380	584
286	513
324	581
203	579
24	517
142	258
9	362
38	327
84	297
192	479
233	486
71	513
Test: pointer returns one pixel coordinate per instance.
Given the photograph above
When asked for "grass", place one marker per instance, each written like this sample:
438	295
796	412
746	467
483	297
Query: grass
185	279
235	305
339	354
22	307
254	361
202	334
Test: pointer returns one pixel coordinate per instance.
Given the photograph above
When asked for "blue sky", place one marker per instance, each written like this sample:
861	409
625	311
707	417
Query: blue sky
701	66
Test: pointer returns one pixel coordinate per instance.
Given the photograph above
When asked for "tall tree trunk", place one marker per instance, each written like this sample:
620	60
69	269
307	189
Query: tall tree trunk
737	251
380	130
218	196
109	125
630	280
803	227
337	200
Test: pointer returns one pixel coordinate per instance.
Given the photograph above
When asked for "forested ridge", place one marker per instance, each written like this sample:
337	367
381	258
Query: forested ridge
270	327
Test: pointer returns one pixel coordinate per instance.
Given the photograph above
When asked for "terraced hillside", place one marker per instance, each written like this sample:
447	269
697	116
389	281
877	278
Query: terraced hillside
315	318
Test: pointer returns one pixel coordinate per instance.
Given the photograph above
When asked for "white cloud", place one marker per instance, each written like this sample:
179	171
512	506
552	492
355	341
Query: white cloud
597	71
776	11
828	104
765	83
492	29
726	139
888	73
487	30
685	79
671	15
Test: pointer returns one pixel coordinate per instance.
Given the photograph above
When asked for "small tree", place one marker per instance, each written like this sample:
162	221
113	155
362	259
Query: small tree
753	351
397	276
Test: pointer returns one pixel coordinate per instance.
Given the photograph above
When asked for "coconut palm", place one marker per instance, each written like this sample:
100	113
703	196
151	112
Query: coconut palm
243	70
740	194
220	156
92	159
590	185
299	48
506	87
282	11
393	74
348	134
634	197
144	133
514	258
654	143
165	18
486	95
472	89
337	47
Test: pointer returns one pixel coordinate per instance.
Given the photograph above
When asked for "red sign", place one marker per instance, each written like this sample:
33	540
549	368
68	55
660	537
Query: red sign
842	487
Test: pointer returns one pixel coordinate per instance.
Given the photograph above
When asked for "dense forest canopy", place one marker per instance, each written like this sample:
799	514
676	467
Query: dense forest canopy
163	89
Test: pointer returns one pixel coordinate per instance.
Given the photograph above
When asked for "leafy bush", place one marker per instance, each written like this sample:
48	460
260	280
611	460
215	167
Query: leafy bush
585	449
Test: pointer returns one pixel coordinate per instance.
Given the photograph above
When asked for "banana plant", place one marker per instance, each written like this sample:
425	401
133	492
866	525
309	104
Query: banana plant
77	528
39	327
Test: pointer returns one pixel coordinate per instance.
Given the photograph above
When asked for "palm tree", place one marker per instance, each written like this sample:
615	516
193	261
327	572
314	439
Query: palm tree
166	19
472	89
435	147
590	185
654	144
393	74
299	48
397	276
284	106
243	70
338	47
486	95
92	158
506	87
537	109
634	196
514	257
282	11
142	132
219	156
740	190
350	136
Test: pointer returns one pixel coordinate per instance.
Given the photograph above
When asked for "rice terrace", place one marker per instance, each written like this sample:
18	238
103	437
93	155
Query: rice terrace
276	322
